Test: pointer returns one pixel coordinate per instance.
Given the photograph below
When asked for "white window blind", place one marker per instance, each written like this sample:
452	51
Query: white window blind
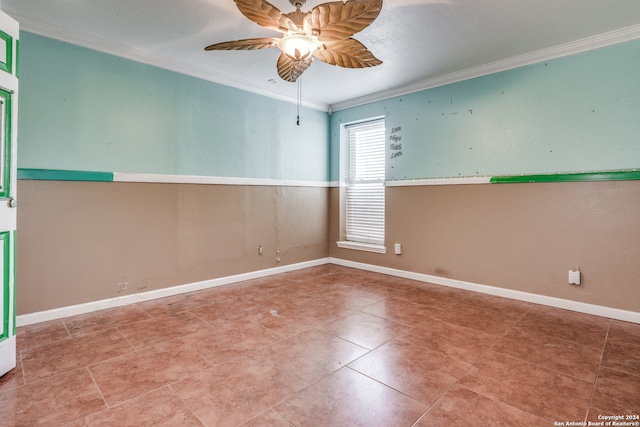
365	184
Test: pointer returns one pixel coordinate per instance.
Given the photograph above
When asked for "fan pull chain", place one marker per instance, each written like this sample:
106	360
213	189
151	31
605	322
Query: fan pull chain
299	98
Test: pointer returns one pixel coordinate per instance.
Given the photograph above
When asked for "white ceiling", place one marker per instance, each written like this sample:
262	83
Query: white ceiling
422	43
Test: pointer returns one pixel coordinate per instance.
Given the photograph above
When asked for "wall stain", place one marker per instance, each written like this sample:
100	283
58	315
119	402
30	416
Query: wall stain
441	272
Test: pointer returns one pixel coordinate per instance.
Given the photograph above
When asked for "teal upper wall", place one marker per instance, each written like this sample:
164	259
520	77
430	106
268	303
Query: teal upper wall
577	113
85	110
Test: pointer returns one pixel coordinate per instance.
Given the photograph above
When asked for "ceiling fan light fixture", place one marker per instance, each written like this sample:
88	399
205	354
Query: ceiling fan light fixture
324	33
298	46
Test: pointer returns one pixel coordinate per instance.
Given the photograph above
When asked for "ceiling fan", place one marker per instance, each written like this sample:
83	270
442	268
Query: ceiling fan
323	33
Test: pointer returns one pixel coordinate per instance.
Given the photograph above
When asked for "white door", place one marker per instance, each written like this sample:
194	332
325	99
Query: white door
8	142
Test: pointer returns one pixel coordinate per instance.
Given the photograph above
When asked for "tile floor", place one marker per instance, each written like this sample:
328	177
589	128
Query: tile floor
325	346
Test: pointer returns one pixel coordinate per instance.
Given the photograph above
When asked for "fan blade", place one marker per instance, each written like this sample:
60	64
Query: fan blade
338	20
290	69
348	53
246	44
265	14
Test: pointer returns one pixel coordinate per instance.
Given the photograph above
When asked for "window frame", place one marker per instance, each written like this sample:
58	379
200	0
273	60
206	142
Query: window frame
348	182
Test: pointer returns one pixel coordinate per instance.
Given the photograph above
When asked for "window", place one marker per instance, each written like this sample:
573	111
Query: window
364	196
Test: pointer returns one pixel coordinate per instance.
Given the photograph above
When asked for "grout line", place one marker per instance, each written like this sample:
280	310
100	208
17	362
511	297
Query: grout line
95	383
133	348
270	408
64	324
595	381
24	377
184	403
471	366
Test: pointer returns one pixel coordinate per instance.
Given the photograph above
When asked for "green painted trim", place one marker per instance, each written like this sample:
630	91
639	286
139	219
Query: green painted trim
5	190
623	175
63	175
13	272
7	64
5	236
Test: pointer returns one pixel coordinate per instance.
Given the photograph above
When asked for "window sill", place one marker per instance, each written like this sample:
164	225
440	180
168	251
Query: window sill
368	247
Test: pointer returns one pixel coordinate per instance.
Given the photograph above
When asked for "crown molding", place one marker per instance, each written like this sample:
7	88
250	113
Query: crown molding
137	55
584	45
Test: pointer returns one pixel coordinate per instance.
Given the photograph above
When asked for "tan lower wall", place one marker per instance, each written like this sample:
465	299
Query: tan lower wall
77	241
523	237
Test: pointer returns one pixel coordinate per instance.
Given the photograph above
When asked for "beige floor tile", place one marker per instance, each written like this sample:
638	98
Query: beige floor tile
567	325
338	303
616	393
509	308
40	334
624	331
161	329
228	308
461	408
160	408
291	319
419	373
230	340
235	392
364	329
480	319
559	355
453	340
538	391
269	418
173	304
53	401
84	324
401	311
348	398
439	297
133	374
622	355
314	354
62	356
325	346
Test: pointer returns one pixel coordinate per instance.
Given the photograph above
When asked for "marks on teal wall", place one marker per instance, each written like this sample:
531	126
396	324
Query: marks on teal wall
573	114
85	110
394	146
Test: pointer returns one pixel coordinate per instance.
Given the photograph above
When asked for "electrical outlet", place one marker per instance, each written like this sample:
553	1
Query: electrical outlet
574	277
260	250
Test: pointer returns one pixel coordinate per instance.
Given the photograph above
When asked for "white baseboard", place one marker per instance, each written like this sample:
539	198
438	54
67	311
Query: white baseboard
597	310
58	313
73	310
